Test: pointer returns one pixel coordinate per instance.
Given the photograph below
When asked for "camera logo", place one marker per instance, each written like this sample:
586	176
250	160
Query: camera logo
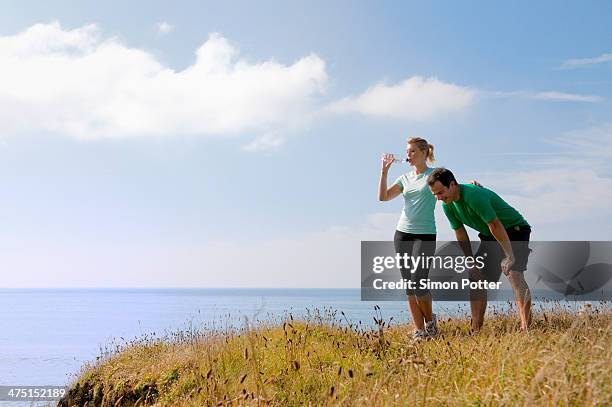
569	268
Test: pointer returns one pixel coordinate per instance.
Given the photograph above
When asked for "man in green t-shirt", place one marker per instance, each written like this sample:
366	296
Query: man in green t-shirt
483	210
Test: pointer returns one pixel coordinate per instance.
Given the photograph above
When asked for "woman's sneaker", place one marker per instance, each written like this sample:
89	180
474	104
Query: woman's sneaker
419	335
431	327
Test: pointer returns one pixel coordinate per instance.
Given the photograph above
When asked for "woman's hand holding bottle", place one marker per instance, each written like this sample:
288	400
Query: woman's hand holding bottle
387	161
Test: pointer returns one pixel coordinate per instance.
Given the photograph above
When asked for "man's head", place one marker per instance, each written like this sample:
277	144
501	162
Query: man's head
443	185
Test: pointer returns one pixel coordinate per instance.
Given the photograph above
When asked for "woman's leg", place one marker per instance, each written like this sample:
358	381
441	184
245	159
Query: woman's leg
424	305
415	311
424	247
403	244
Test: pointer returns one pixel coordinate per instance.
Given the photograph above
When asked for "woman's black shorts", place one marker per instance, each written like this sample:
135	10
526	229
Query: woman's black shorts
415	245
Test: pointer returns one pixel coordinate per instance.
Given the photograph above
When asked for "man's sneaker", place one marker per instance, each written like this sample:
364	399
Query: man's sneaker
419	335
431	327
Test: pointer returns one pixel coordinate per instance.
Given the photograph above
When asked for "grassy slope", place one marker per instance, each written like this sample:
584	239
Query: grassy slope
565	360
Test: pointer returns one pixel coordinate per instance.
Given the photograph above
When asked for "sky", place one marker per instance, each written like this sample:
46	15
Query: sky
204	144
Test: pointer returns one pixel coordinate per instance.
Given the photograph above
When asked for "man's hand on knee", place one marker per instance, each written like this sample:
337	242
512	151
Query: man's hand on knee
476	274
507	264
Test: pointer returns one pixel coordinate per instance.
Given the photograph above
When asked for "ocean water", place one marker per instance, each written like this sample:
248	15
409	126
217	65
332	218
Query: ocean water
48	334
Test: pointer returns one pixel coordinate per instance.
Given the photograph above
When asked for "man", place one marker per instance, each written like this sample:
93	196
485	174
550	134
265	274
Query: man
485	211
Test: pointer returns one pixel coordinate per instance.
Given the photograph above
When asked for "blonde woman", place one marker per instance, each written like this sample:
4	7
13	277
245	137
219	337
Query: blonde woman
416	229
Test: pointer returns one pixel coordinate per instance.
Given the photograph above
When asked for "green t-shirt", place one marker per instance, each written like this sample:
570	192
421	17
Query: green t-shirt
419	203
478	206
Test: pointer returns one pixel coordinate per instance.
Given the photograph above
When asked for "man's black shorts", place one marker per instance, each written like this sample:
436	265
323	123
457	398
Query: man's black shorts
494	254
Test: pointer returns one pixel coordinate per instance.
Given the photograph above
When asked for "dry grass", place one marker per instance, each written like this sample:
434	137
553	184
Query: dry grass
564	360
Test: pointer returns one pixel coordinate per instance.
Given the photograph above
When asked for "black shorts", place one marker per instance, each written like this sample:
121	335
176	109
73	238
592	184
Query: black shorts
494	254
415	245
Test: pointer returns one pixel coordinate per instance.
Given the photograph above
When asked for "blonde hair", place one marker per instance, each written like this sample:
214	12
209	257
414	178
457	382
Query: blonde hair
423	145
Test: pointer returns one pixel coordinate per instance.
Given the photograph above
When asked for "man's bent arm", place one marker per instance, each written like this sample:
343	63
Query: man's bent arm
464	241
499	233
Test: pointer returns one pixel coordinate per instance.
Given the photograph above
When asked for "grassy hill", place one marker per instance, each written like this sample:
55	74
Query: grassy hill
565	360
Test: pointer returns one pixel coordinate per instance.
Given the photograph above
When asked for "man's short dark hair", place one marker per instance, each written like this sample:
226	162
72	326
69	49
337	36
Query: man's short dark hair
441	174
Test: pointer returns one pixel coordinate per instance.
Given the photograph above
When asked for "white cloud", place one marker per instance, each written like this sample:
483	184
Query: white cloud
48	40
74	82
558	195
164	27
593	146
265	142
564	97
572	187
550	96
421	99
580	62
415	98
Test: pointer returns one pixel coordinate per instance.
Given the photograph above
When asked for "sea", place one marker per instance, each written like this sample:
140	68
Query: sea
47	335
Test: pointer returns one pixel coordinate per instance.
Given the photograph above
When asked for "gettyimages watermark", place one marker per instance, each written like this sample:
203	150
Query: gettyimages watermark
554	270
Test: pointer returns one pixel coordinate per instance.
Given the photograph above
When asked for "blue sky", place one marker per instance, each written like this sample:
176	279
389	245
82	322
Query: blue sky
127	160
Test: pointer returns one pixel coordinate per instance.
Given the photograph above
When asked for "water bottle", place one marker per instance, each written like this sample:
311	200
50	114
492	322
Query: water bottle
398	160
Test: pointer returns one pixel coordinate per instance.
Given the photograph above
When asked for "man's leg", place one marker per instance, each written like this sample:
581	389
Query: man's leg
491	251
478	306
522	295
519	237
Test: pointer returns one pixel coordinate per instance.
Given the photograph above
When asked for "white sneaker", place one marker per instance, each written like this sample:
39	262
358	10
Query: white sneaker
419	335
431	327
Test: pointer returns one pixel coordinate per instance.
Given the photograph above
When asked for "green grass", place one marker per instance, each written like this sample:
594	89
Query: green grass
564	360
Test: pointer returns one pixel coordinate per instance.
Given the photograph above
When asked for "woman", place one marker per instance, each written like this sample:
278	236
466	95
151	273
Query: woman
416	228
